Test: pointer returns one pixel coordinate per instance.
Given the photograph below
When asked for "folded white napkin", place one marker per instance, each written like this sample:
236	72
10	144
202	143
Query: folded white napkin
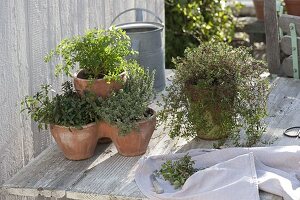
230	174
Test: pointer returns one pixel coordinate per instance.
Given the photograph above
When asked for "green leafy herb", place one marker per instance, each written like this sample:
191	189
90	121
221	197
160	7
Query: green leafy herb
177	172
188	23
217	90
66	109
97	52
130	105
123	108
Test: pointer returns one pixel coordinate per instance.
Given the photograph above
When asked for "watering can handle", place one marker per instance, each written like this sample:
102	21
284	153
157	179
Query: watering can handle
137	9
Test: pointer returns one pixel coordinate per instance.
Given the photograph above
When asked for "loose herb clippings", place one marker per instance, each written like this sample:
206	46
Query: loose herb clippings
177	172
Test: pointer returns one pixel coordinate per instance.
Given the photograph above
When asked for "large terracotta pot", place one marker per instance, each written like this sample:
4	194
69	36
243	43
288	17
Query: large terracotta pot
214	114
259	9
292	7
99	86
76	144
134	143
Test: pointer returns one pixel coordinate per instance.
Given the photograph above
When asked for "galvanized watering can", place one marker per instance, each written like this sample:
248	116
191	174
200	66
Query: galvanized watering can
146	39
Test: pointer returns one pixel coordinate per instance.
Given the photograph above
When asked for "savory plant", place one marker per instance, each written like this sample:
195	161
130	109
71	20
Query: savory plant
66	109
130	104
100	53
217	91
177	172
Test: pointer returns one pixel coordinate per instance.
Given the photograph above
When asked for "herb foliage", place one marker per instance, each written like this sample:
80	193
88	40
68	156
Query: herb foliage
123	108
217	91
177	172
129	105
66	109
188	23
98	52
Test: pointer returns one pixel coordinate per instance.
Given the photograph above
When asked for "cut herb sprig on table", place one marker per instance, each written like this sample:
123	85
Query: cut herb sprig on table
177	172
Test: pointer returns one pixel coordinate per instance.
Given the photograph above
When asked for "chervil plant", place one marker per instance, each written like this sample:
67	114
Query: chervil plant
100	53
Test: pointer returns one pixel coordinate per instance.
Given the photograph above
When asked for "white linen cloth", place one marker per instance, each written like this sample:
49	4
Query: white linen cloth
230	174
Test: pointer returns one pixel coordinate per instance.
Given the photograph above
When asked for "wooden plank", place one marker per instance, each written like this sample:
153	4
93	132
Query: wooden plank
105	180
50	174
272	42
110	176
16	145
255	27
96	14
28	30
287	66
283	109
54	37
82	16
285	20
286	45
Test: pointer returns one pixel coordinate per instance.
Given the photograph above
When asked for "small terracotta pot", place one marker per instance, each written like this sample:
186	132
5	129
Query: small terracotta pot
76	144
134	143
292	7
99	86
259	9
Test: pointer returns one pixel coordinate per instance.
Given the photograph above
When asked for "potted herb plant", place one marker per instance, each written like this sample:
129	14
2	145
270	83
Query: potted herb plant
72	119
125	116
217	90
100	55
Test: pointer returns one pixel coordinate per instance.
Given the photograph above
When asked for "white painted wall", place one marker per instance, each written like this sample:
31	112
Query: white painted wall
28	30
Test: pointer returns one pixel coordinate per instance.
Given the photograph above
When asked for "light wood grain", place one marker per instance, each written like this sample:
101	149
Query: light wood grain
287	66
109	175
272	42
285	20
28	30
50	175
286	44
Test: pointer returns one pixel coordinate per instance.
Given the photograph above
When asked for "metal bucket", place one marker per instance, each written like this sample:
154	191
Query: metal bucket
146	39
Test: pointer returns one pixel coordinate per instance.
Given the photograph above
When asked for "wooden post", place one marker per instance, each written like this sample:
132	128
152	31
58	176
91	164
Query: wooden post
272	41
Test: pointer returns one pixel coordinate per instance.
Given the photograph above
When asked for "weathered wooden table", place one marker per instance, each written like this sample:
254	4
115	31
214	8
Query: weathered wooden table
108	175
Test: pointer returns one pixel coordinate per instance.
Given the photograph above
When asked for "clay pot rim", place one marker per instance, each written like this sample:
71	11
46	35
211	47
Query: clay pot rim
139	121
122	75
72	127
148	119
188	86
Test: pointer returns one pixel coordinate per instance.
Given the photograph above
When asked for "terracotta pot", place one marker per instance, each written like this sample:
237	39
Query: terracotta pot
259	9
99	86
76	144
134	143
292	7
214	113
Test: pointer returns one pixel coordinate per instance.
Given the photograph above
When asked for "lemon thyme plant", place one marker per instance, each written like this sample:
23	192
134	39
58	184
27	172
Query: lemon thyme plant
100	53
129	105
66	109
217	91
